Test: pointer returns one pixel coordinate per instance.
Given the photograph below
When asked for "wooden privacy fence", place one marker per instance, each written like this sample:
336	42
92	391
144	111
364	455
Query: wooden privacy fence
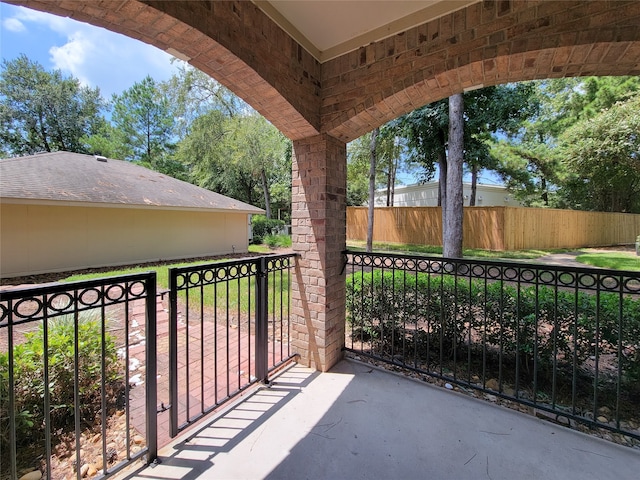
498	228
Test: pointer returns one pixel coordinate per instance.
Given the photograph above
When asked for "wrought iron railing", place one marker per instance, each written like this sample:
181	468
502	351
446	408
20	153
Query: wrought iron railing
565	341
70	389
229	326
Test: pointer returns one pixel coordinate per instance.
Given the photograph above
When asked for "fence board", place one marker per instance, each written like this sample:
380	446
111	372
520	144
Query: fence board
498	228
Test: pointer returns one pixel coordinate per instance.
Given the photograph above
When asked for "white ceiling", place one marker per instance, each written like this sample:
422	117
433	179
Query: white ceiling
329	28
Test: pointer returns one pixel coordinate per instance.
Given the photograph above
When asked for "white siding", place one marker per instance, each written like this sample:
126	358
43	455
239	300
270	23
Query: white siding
427	196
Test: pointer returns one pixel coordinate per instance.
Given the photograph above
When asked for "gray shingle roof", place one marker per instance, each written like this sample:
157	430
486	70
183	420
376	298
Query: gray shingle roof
73	177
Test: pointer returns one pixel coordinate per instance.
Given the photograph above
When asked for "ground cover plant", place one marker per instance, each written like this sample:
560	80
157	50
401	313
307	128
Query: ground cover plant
60	352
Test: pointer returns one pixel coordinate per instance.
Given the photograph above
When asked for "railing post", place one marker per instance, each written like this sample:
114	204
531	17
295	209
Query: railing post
173	353
261	348
151	370
12	395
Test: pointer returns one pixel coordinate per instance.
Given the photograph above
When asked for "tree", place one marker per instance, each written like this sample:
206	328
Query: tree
426	131
358	171
453	218
531	170
260	149
193	93
489	112
603	155
143	124
204	151
244	157
486	112
44	111
530	161
372	187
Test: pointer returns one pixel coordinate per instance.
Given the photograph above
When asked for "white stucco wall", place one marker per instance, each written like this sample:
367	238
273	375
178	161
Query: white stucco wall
43	238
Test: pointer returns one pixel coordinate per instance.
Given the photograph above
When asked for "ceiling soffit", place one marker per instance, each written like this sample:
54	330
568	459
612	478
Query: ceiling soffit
330	28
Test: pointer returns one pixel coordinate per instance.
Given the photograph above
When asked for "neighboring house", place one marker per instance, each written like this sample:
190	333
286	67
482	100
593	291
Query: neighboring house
426	195
65	211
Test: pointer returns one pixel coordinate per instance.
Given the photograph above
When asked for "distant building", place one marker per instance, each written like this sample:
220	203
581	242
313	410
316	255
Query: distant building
426	195
66	211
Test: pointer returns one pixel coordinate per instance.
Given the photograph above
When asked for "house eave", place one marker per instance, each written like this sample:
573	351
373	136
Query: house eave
150	206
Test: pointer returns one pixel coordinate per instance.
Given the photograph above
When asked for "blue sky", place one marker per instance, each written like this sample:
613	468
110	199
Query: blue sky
97	57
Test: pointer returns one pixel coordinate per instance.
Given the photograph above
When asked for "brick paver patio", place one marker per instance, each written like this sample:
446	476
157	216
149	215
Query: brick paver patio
228	359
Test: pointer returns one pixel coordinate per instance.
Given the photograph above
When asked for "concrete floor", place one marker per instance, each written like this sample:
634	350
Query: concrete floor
356	422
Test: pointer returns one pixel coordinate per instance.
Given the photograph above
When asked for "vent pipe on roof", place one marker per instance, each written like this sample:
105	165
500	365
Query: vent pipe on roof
100	158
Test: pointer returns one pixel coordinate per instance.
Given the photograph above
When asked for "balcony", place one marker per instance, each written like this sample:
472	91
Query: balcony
358	421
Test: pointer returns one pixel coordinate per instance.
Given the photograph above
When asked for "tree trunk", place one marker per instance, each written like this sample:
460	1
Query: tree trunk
266	192
442	167
372	187
474	184
389	187
442	184
452	229
394	163
392	190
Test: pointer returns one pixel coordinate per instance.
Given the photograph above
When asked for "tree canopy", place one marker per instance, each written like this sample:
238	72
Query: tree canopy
539	163
43	111
602	160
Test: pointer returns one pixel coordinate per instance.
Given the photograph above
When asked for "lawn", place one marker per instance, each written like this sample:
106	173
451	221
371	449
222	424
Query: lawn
162	271
437	250
612	260
235	294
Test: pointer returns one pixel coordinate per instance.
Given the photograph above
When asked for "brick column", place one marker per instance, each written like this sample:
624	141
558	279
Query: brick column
319	235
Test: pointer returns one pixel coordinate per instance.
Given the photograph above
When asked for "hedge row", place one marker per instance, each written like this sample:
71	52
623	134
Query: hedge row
398	310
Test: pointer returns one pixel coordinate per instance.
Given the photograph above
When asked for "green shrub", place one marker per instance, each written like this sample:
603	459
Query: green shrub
263	226
29	380
277	241
397	310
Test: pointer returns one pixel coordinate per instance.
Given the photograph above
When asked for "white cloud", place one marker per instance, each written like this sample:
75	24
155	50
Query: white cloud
71	56
96	56
14	25
61	25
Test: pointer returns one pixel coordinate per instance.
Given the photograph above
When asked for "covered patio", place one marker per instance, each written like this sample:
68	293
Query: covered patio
357	421
322	92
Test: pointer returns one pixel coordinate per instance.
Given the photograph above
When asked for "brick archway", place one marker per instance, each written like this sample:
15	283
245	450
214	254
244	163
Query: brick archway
483	44
321	106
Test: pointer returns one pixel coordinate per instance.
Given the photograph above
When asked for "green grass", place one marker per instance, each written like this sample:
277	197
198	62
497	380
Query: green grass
259	249
437	250
613	260
238	295
162	272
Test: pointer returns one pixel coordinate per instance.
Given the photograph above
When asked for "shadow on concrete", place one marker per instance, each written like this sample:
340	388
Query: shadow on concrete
358	422
194	455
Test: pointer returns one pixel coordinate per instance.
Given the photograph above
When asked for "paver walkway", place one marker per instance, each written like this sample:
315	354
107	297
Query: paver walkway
224	357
